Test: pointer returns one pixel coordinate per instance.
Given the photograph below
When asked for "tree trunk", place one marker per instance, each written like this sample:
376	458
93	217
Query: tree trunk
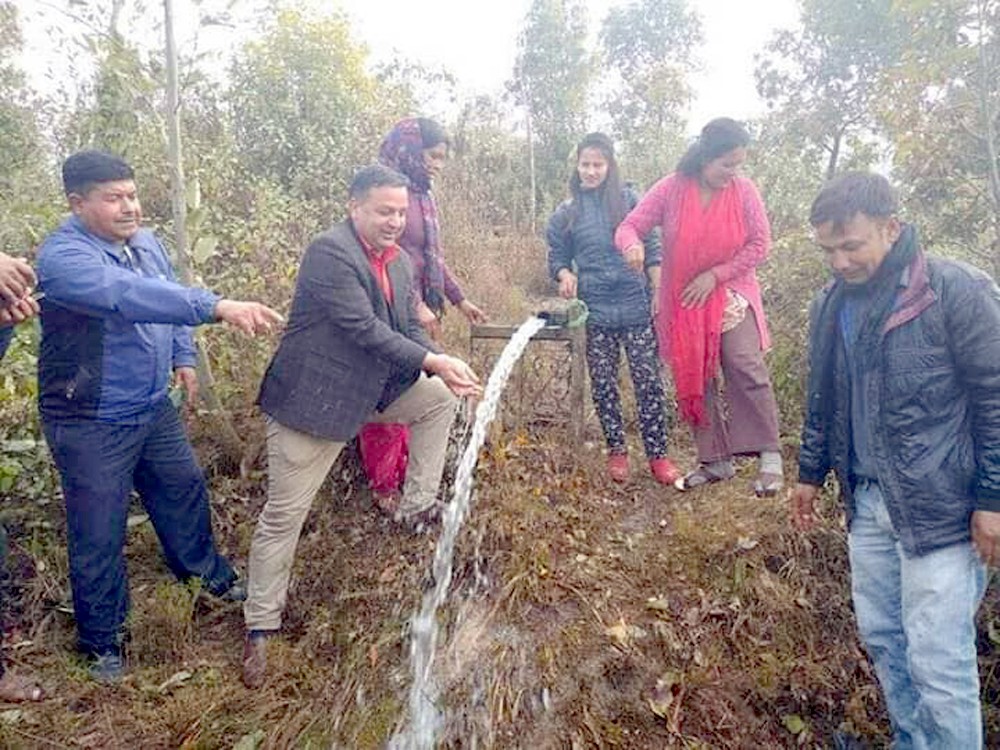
532	180
114	19
231	442
831	164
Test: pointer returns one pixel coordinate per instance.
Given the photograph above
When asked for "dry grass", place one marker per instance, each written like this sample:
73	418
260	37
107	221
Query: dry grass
572	599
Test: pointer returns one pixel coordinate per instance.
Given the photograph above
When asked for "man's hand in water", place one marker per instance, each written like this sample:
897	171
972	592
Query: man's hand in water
457	375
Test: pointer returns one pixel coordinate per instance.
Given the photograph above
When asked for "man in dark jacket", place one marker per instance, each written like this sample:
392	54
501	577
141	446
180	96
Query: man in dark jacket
115	324
904	407
353	352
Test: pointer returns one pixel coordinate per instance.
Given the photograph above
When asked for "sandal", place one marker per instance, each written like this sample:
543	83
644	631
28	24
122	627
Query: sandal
701	476
768	484
17	689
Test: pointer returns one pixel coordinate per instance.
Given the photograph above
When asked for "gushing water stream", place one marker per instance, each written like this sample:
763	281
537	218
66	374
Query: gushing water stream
425	719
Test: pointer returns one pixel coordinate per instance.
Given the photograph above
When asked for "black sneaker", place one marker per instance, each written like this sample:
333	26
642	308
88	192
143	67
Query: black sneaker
237	591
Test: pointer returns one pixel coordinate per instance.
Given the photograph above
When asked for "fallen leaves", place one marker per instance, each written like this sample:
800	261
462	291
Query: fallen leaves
665	699
624	634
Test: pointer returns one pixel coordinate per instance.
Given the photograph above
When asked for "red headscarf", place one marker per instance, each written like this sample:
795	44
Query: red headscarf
706	237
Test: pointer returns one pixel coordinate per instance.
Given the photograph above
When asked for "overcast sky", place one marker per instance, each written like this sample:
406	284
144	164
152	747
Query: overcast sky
475	40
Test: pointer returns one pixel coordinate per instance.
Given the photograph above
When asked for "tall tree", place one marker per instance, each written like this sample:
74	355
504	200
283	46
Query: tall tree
551	80
17	127
23	177
823	78
648	47
942	111
483	143
306	112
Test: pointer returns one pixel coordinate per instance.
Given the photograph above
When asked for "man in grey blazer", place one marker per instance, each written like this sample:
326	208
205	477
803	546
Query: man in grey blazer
353	352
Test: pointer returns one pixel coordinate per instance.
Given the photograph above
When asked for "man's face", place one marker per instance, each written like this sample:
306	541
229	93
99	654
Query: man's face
110	210
380	215
857	249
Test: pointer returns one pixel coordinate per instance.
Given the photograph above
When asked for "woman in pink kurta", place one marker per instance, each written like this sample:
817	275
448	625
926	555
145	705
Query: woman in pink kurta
710	317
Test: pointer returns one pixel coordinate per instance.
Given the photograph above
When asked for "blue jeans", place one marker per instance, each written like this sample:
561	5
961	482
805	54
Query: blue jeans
100	463
916	617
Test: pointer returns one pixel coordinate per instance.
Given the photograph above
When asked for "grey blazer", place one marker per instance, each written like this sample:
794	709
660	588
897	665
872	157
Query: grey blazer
345	352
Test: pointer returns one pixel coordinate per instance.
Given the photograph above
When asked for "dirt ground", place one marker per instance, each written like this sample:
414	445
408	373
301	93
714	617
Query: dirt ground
583	615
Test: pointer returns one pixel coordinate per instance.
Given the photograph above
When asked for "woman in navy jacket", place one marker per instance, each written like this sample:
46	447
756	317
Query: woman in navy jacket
585	263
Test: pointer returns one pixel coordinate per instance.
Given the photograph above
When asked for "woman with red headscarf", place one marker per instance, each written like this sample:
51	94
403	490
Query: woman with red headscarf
417	148
710	319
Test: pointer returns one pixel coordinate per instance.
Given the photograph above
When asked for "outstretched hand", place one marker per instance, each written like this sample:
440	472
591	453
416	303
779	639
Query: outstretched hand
455	373
472	312
250	317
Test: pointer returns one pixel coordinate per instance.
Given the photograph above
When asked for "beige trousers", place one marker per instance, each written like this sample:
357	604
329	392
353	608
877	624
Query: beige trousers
298	463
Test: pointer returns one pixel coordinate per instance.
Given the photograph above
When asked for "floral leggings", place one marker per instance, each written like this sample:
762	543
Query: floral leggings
603	353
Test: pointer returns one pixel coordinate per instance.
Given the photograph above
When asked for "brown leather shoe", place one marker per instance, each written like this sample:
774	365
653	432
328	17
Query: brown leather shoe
254	659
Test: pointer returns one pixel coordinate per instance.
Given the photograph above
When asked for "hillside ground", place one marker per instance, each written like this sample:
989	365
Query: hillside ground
583	614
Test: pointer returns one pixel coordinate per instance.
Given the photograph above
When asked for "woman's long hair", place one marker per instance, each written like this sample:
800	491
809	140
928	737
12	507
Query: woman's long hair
610	190
718	137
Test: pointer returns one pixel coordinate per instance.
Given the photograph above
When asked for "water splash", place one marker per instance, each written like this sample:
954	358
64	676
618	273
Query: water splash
425	719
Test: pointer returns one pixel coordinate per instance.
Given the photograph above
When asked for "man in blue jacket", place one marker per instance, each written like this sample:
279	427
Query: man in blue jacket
115	323
904	406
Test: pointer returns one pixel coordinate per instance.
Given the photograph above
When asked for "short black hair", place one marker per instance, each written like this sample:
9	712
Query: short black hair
853	193
718	137
84	169
374	176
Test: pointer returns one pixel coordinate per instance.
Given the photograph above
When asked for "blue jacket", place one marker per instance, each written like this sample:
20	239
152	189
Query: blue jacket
616	296
115	322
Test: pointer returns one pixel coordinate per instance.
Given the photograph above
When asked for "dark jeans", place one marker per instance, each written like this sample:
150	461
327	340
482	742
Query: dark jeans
100	463
604	347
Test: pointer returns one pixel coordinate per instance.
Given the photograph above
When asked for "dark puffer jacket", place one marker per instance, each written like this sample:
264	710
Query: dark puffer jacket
616	296
935	402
